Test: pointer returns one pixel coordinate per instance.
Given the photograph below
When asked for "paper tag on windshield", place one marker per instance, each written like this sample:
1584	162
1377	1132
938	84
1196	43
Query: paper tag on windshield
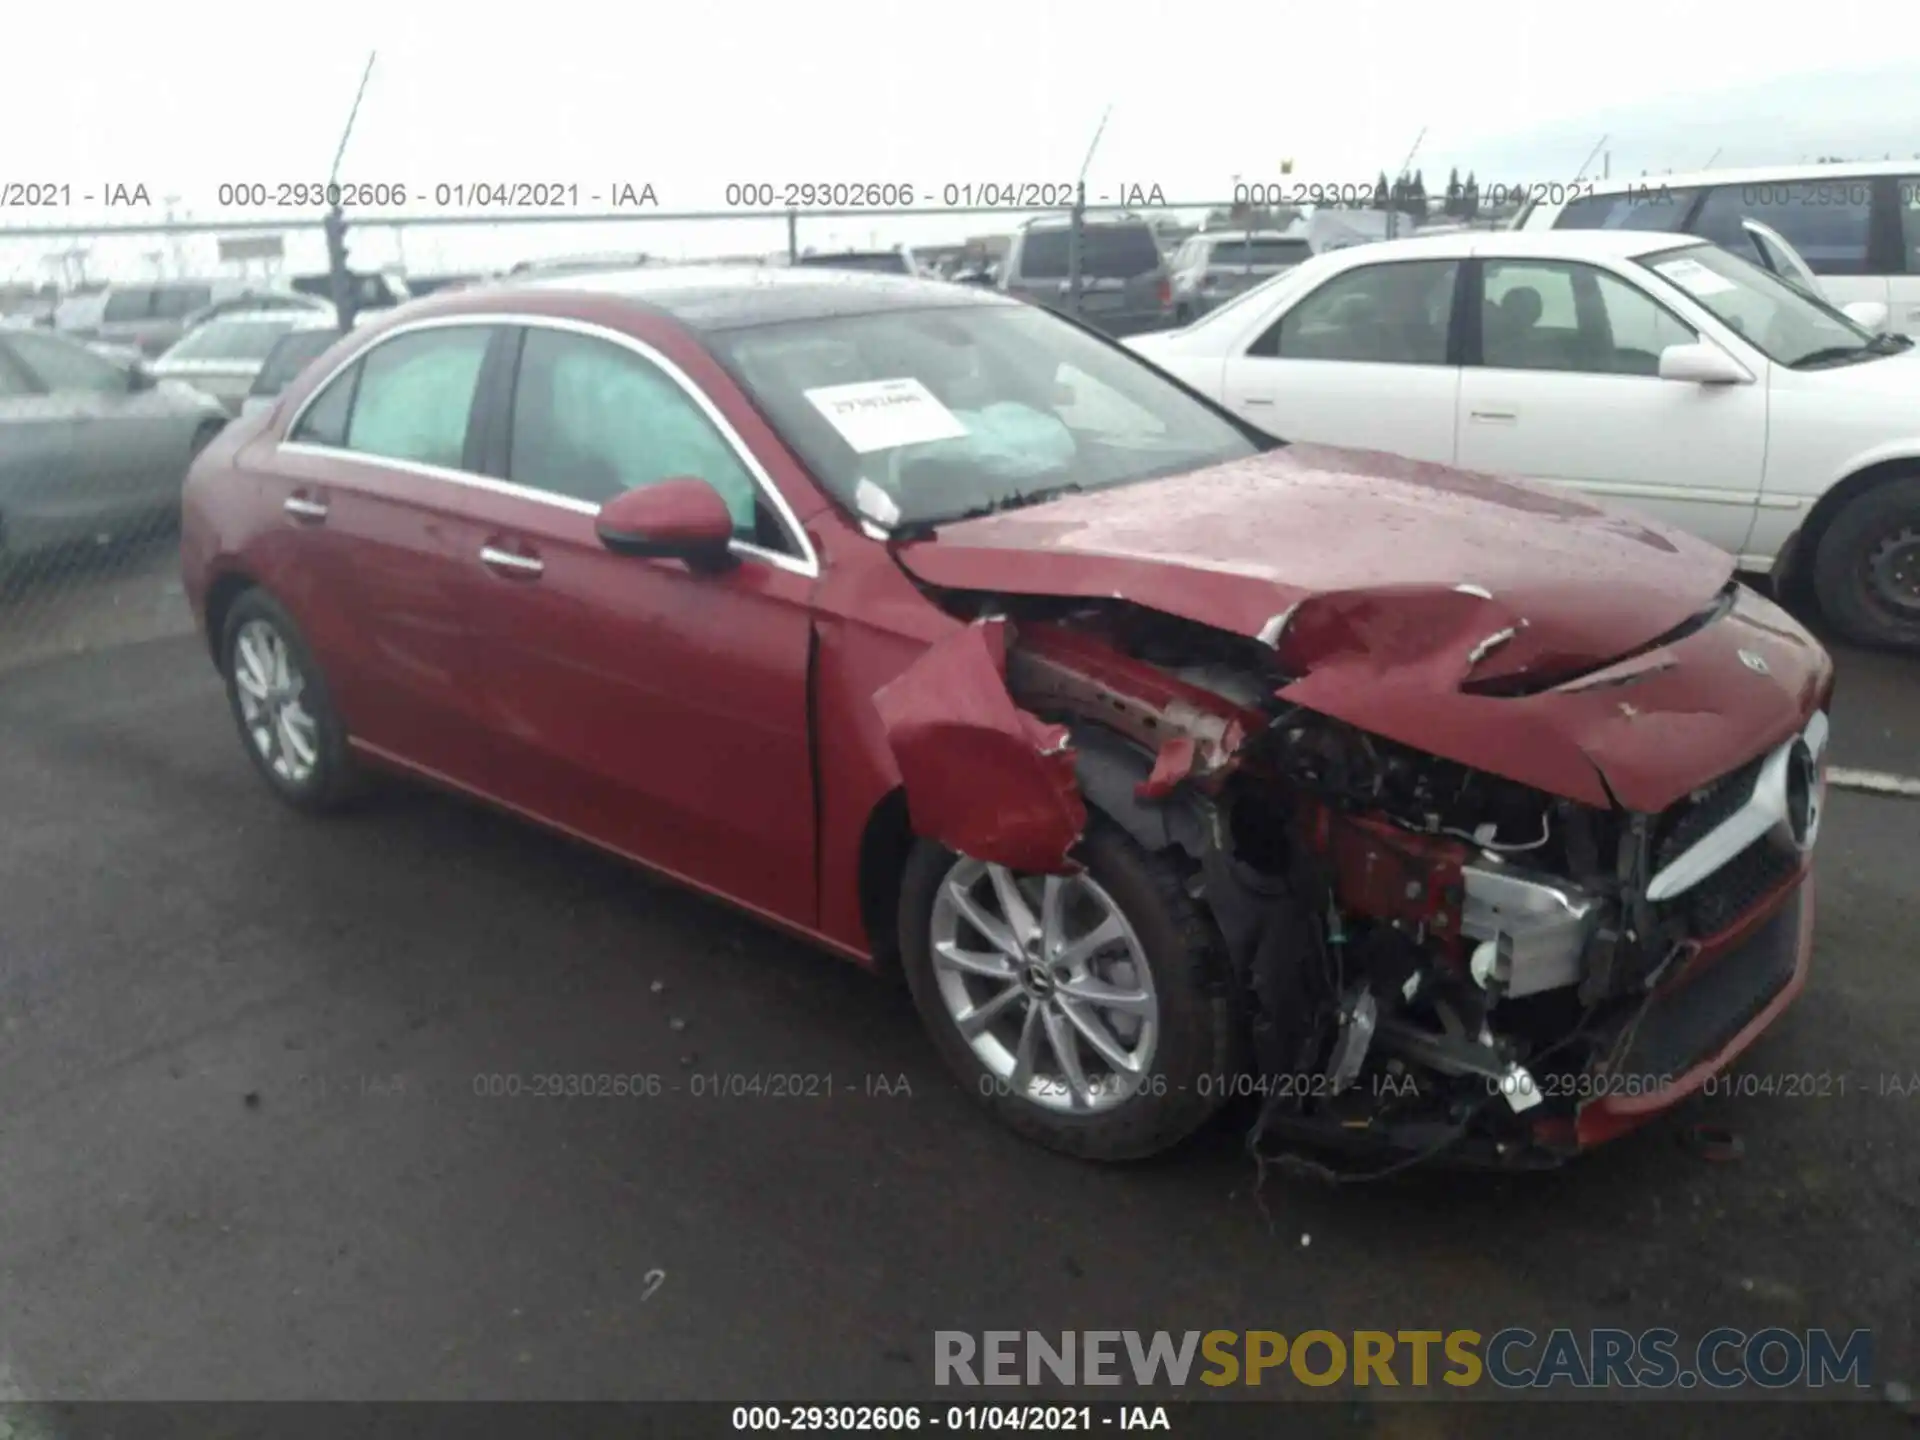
1695	278
886	414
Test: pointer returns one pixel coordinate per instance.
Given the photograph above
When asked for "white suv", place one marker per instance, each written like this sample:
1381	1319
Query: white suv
1857	225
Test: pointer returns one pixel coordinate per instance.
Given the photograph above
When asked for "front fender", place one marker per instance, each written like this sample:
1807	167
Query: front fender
982	776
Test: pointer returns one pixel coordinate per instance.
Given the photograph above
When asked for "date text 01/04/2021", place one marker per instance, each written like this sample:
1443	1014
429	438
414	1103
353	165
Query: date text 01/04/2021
906	1419
462	195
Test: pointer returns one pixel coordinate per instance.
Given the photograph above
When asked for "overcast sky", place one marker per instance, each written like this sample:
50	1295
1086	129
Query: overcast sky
689	98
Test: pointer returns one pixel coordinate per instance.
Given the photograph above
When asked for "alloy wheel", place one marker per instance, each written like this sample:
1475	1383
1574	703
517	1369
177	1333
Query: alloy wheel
270	688
1047	982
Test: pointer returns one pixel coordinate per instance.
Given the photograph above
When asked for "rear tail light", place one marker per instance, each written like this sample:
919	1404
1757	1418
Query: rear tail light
1166	293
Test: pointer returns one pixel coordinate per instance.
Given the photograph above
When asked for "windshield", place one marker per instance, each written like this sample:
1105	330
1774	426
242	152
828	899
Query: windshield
1259	252
887	262
289	357
911	416
1107	252
1781	321
237	340
125	305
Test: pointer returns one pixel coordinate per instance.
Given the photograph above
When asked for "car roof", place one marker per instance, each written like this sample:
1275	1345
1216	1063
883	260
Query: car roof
1742	175
296	317
717	297
1561	244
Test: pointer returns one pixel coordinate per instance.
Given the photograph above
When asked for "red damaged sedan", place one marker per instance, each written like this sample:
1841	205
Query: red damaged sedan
1451	816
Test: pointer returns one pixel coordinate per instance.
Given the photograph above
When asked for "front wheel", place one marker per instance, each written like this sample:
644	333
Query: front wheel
283	708
1866	570
1082	1010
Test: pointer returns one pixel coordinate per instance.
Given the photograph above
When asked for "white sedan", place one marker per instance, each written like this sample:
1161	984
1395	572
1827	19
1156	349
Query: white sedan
1655	370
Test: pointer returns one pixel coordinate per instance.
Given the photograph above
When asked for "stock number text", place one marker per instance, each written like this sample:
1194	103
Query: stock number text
300	194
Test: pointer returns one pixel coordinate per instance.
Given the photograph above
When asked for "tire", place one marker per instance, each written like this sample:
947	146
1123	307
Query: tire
1853	566
1177	1087
322	778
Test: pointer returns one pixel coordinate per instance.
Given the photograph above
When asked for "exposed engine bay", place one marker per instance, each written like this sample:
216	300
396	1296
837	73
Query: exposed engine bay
1427	958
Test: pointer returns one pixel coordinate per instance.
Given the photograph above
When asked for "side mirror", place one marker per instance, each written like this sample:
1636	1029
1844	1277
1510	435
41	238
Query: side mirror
139	377
1702	364
680	519
1867	314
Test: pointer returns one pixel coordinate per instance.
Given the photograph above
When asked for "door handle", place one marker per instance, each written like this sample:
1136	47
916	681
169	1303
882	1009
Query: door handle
1494	417
305	507
1252	402
505	562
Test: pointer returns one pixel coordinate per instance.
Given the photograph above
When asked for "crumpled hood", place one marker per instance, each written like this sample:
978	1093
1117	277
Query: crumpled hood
1452	611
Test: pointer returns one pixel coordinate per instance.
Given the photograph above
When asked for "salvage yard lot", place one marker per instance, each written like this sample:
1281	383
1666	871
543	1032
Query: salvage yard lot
247	1149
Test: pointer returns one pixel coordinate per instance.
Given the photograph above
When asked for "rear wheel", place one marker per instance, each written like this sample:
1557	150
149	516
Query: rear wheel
1079	1009
1866	569
283	708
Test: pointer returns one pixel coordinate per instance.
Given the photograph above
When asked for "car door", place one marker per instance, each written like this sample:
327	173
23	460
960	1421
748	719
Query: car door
657	711
1562	385
373	479
1363	360
130	440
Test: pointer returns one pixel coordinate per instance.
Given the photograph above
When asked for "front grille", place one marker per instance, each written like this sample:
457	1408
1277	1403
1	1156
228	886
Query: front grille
1696	817
1706	1008
1720	899
1727	894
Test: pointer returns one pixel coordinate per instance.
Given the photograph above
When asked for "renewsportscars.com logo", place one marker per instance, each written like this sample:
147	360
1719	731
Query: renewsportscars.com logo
1510	1359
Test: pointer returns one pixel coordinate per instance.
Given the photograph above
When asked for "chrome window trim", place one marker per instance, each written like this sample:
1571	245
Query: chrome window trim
806	563
1764	815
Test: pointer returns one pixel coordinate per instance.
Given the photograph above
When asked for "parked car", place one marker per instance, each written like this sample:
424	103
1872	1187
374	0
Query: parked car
580	264
148	316
1124	284
256	301
954	637
1648	368
897	261
372	289
290	354
223	356
1215	266
88	448
1858	225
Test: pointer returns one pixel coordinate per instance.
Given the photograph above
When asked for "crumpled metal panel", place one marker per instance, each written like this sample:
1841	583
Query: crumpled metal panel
982	776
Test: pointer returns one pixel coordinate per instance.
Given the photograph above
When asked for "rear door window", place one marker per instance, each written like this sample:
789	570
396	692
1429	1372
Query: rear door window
1259	252
176	302
1909	201
1107	252
1827	221
1650	207
1393	314
126	303
416	395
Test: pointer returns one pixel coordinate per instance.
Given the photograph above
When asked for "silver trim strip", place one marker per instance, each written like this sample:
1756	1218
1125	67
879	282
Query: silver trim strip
489	555
1764	815
806	564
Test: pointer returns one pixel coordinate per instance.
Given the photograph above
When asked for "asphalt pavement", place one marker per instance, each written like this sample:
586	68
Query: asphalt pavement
255	1140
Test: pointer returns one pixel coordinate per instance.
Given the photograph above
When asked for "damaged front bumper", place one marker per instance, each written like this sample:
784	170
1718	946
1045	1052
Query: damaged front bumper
1430	960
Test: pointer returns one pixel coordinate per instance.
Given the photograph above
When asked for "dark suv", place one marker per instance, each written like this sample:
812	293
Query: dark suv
1125	287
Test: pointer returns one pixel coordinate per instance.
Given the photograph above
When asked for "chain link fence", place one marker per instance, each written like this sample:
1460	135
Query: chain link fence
93	447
